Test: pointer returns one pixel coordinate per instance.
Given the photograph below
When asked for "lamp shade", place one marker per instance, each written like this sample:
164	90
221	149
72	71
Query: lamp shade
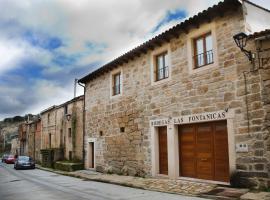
240	40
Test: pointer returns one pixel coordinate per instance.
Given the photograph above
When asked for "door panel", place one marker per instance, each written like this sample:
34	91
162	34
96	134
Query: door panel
187	151
163	153
203	151
221	152
204	146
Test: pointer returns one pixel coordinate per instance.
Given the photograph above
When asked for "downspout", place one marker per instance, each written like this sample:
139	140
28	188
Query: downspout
83	150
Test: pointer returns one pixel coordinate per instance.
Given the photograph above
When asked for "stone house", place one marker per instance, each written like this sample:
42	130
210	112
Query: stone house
187	104
37	140
33	138
15	146
62	128
22	139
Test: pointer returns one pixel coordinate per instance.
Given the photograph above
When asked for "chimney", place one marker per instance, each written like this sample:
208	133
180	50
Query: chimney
75	85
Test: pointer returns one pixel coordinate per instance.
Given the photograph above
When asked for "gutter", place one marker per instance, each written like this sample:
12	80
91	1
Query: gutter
83	150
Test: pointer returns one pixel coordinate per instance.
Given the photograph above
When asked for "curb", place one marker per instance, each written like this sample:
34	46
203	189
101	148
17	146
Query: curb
114	182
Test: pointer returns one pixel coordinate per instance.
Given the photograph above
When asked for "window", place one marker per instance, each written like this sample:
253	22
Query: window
49	117
162	66
203	50
65	110
50	140
69	132
116	84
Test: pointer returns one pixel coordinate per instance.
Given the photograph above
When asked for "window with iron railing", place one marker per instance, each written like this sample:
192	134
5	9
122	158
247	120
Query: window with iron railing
203	51
162	66
116	84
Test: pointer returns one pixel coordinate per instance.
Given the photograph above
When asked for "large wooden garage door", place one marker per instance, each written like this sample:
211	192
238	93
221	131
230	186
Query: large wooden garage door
163	153
203	150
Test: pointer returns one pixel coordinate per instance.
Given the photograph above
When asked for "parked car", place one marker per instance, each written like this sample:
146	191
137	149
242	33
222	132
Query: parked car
4	157
24	162
10	159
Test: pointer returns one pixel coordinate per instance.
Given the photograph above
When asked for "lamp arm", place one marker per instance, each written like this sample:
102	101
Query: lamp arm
247	53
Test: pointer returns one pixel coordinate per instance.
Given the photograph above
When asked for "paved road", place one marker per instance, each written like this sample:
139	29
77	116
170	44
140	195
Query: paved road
40	185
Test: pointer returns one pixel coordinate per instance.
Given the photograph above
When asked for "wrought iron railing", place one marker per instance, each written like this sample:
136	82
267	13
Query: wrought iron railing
203	59
116	89
162	73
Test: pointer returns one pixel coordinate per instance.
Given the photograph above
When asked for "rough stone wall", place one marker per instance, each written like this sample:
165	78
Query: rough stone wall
58	123
75	109
38	141
31	128
48	127
15	146
215	89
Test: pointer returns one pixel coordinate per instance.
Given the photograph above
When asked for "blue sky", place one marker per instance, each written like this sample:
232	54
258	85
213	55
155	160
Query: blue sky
45	45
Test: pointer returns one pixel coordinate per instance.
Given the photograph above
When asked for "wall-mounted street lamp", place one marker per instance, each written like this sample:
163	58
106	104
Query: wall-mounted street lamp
241	41
68	116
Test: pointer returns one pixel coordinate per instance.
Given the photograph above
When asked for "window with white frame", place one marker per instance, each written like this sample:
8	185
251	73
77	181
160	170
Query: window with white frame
203	50
162	66
116	84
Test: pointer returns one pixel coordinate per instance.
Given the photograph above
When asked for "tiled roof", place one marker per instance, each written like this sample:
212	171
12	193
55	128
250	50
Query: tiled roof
260	34
195	21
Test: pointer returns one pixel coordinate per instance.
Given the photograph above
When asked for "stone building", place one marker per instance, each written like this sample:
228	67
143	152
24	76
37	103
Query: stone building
22	138
37	140
15	146
62	128
186	104
33	138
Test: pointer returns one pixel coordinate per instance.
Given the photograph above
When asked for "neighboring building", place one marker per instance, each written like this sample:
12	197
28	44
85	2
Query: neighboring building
37	141
184	104
33	138
22	139
15	146
62	128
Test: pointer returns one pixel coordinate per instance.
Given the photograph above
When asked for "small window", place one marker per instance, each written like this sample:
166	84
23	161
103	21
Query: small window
50	140
66	109
203	50
162	66
49	116
116	84
70	155
69	132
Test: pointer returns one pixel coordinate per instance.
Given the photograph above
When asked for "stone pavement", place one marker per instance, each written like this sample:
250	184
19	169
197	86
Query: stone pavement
189	188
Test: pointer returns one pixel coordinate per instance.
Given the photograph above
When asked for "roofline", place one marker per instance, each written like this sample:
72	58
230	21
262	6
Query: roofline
174	32
78	98
48	109
260	34
256	5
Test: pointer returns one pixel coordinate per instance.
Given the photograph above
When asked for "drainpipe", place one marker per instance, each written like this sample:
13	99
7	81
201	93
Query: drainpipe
83	151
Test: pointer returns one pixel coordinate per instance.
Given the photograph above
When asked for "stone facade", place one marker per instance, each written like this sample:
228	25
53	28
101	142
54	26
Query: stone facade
37	145
62	127
15	146
120	127
22	139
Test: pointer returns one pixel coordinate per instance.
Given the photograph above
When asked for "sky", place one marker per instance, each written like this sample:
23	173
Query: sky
45	45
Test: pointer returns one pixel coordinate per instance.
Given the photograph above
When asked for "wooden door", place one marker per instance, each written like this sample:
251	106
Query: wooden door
203	151
187	139
221	153
91	156
204	148
163	152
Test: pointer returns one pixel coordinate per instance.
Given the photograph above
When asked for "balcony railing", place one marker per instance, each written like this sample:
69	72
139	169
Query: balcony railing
162	73
116	89
203	59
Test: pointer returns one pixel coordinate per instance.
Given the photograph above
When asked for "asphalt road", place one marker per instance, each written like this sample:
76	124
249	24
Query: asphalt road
40	185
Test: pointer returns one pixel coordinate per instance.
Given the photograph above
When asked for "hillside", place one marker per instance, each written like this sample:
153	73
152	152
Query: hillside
9	130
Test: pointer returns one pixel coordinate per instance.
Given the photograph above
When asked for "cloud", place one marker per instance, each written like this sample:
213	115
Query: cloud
44	45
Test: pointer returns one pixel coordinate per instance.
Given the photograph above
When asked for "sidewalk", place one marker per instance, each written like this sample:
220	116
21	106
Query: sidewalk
188	188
